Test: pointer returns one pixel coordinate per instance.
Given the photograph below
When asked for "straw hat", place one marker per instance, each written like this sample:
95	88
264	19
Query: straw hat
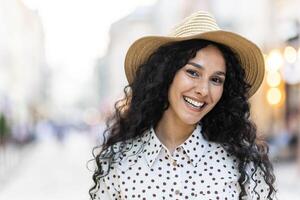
200	25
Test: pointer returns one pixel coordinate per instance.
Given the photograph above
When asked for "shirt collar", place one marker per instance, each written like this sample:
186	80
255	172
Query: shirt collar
152	146
194	145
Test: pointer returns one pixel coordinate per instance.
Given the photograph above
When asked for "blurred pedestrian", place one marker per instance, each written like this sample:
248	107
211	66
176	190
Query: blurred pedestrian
182	130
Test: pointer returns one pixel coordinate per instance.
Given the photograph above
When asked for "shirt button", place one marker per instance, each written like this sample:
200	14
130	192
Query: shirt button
174	163
177	192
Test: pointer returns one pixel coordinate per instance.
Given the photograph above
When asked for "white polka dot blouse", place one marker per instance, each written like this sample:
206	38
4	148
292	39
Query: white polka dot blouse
197	169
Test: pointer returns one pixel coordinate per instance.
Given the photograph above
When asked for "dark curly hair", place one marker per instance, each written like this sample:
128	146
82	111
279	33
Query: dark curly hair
146	99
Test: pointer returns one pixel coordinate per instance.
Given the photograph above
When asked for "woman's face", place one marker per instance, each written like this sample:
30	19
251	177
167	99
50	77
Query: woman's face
197	87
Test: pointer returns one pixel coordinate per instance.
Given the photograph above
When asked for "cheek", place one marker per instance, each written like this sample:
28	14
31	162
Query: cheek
180	85
172	95
218	94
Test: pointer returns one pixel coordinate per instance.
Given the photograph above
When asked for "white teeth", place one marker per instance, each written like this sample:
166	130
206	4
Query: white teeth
193	102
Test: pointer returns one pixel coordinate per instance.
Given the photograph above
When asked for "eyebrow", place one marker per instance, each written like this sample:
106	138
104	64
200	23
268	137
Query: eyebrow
201	67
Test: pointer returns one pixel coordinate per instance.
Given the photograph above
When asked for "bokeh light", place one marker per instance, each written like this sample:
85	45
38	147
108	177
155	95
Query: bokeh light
274	96
290	54
274	60
273	78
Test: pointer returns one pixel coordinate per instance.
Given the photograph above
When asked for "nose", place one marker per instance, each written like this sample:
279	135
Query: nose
202	88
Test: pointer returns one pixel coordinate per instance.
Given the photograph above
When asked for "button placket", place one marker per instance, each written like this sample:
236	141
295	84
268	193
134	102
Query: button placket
174	163
177	173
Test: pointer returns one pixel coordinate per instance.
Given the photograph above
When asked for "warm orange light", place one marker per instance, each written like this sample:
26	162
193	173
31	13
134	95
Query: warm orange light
274	60
274	96
273	78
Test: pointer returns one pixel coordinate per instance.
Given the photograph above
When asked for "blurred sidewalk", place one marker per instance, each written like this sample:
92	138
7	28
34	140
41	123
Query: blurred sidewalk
10	157
57	171
53	171
288	181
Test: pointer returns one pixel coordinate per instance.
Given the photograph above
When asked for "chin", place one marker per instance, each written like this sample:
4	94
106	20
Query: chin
192	121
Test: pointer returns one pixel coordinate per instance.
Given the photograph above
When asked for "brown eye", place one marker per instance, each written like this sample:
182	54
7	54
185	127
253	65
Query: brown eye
217	80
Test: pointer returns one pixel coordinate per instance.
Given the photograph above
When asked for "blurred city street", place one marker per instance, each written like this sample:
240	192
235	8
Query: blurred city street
54	170
62	70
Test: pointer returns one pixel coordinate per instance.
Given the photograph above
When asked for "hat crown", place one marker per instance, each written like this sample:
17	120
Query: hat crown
197	23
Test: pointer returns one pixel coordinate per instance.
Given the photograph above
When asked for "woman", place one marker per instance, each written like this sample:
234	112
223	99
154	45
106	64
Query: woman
182	130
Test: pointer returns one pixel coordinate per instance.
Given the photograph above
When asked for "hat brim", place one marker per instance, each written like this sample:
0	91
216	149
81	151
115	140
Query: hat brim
248	53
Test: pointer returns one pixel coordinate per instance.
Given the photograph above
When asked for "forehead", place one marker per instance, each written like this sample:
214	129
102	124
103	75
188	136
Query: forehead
210	58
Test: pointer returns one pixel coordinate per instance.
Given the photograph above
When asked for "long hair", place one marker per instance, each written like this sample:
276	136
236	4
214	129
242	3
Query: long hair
146	99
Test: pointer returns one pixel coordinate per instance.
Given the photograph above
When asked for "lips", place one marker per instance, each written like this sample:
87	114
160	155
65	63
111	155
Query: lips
194	103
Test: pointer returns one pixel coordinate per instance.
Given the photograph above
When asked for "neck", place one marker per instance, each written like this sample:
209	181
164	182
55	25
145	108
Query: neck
172	132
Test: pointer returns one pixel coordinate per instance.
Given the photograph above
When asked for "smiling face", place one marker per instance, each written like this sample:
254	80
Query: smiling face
197	87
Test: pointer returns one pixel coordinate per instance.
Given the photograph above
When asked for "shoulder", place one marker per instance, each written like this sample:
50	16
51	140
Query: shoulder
256	185
219	154
126	153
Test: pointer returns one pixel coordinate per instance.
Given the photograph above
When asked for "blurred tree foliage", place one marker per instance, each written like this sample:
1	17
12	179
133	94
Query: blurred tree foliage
4	129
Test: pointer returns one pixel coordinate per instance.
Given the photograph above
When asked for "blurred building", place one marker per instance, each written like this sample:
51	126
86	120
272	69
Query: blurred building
149	20
23	75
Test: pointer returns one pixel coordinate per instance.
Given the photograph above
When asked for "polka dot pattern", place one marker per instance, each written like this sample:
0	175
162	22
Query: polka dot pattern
197	169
